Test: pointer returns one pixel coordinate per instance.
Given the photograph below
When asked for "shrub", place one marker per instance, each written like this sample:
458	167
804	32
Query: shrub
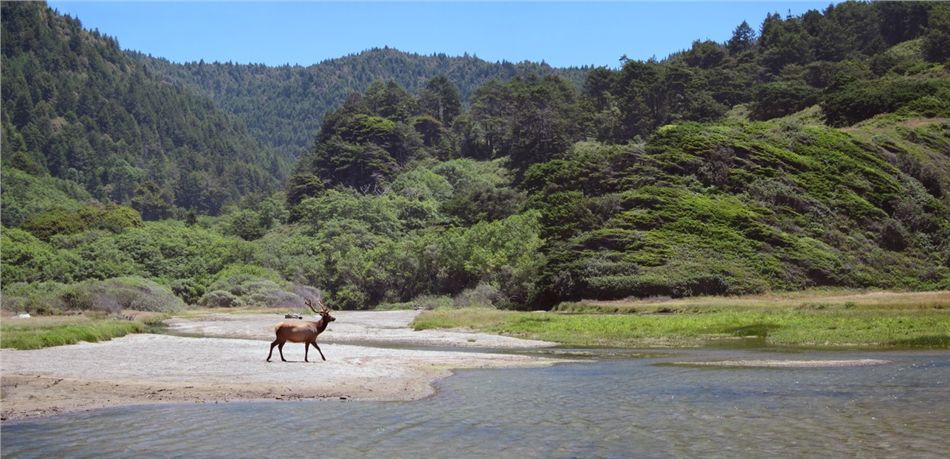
378	212
27	259
782	98
57	221
24	195
349	297
249	285
894	236
46	224
116	294
117	218
189	290
246	224
109	295
861	100
173	250
35	298
220	299
483	295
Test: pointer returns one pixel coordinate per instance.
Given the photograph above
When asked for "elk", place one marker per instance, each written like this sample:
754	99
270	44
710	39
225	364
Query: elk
305	332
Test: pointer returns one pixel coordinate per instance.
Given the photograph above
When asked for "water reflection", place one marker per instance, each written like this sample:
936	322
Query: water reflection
605	408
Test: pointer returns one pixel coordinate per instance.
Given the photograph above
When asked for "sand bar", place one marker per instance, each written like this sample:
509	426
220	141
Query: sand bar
352	327
149	368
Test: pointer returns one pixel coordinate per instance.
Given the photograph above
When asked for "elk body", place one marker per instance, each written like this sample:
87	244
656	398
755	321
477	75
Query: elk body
302	332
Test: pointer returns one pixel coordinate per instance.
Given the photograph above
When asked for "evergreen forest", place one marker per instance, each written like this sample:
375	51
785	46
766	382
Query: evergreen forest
805	151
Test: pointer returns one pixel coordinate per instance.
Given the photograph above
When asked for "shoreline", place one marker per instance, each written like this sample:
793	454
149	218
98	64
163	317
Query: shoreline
227	363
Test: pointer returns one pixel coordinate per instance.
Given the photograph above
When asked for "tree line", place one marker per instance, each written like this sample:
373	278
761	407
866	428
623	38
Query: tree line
722	169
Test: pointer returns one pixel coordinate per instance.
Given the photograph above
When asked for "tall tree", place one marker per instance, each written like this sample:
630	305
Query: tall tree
440	98
743	38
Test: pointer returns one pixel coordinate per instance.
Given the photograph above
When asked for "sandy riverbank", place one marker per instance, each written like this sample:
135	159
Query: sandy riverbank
141	369
351	327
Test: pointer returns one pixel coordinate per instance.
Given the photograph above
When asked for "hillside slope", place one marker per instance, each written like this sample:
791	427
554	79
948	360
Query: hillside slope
283	106
76	107
741	207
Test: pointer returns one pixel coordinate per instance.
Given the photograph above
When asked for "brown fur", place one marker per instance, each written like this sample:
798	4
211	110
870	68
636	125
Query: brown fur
300	332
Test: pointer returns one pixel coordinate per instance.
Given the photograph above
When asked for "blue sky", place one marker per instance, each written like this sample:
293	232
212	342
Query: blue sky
305	33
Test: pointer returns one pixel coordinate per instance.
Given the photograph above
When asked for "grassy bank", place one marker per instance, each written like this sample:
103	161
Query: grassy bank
825	319
40	332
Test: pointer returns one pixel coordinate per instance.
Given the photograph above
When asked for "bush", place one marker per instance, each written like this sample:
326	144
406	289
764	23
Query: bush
773	100
248	285
173	250
46	224
24	195
483	295
109	295
56	221
861	100
117	294
35	298
28	259
894	236
220	299
189	290
349	297
246	224
378	212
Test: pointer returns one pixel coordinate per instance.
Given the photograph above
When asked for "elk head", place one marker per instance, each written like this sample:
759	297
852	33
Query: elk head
324	311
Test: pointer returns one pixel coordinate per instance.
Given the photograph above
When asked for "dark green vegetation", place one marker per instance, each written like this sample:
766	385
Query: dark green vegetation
282	106
814	319
77	108
813	153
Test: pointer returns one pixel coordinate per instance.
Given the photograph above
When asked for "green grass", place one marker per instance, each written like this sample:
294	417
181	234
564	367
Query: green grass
889	323
814	299
40	332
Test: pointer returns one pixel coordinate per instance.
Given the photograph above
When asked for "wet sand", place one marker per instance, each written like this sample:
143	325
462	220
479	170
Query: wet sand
148	368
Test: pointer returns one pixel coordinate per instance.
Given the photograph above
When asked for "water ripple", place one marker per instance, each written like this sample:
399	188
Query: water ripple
612	408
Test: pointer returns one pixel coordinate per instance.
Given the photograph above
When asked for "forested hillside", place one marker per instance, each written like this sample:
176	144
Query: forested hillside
282	106
77	108
812	152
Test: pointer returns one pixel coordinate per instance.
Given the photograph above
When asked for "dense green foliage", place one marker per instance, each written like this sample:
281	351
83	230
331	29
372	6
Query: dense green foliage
738	208
283	106
75	107
813	153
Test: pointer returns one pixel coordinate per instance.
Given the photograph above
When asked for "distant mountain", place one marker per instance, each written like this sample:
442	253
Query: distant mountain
76	107
283	106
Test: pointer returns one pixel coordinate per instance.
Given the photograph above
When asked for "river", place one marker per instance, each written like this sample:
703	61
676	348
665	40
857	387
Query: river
609	406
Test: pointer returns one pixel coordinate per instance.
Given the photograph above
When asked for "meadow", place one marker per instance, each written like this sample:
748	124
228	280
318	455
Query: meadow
829	319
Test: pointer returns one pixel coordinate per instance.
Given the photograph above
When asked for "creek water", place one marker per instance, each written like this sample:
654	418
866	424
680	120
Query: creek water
610	406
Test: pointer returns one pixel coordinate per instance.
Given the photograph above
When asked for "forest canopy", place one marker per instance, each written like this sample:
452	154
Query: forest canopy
811	151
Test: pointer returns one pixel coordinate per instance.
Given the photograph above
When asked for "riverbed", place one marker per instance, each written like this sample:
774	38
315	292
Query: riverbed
609	405
220	357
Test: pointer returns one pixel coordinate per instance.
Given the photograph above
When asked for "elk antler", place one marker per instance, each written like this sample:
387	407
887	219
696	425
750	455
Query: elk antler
310	305
322	306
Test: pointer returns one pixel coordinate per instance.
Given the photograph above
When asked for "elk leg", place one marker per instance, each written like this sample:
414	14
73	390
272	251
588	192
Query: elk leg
280	348
271	350
306	350
318	350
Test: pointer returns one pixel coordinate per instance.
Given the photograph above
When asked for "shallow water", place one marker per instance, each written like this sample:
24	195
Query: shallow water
604	408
